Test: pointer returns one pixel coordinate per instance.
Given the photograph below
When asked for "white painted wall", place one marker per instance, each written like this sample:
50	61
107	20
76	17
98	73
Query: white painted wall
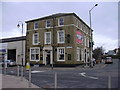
18	46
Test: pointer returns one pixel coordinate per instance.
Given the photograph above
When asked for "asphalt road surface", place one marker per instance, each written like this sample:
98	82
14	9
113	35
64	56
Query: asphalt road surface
100	76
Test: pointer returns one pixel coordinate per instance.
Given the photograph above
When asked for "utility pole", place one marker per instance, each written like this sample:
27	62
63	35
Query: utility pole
91	40
20	22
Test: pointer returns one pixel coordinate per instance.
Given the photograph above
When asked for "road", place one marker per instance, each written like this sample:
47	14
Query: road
101	76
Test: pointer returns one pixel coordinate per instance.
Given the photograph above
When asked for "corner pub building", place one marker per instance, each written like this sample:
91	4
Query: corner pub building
61	39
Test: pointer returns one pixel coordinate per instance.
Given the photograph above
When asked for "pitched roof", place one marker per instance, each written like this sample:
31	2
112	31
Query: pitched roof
57	15
50	16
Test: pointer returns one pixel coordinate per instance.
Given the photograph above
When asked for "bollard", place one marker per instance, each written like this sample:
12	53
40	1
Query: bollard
109	82
27	66
4	70
5	67
21	73
29	83
18	70
55	80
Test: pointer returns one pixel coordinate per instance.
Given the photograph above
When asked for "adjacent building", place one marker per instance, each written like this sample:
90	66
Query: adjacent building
58	39
11	49
111	52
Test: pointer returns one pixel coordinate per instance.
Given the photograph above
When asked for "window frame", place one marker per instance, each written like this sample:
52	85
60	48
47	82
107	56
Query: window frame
78	54
58	37
34	53
34	39
46	38
85	41
35	25
47	24
59	21
58	53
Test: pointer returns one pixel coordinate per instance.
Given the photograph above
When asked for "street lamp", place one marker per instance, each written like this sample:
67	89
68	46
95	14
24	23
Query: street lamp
20	22
90	14
91	44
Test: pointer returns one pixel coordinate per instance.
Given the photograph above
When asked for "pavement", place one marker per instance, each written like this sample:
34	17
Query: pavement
96	66
9	81
99	65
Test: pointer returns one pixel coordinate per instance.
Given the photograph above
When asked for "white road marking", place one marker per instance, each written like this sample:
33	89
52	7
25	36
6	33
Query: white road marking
109	81
93	77
37	71
84	75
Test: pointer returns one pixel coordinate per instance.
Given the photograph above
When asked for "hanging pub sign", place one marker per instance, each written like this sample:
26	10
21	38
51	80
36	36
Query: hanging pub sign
79	37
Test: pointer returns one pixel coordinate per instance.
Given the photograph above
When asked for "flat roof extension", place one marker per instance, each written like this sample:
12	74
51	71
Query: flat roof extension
12	39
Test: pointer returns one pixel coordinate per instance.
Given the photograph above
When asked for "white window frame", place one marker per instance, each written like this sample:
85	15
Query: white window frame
58	53
82	55
46	24
46	38
87	42
81	26
35	26
34	39
78	54
58	38
59	21
35	53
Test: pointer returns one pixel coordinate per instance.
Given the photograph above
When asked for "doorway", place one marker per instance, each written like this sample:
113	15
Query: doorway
48	57
47	54
12	54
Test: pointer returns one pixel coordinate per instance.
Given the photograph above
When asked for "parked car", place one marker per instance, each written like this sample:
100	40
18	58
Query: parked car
9	63
108	60
12	63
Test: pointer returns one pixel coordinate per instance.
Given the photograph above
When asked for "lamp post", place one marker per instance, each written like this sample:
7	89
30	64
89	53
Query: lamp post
20	22
91	44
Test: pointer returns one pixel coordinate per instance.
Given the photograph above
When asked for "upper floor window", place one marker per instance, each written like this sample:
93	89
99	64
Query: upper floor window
48	24
61	36
85	40
36	25
81	26
47	38
61	21
68	38
35	39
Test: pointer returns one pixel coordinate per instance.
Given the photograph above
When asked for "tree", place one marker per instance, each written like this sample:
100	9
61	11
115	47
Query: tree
118	53
98	53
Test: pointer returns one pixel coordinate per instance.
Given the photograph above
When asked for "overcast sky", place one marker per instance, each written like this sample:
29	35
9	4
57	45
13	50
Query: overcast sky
104	18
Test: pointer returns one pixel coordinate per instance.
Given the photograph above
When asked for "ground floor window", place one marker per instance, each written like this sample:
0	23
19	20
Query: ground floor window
61	54
35	54
82	55
69	56
78	54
